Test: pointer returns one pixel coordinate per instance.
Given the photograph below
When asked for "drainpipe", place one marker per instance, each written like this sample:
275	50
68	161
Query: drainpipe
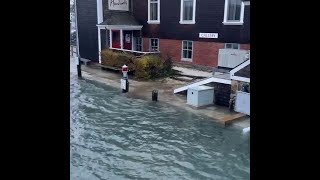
78	52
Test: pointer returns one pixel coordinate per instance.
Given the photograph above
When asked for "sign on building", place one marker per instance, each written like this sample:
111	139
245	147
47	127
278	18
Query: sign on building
208	35
121	5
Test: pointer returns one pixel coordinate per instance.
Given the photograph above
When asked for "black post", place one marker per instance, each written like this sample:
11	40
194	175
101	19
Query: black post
79	68
126	84
155	95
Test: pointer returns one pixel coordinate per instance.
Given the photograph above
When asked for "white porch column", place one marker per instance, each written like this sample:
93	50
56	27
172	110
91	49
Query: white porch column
110	33
121	38
132	41
99	45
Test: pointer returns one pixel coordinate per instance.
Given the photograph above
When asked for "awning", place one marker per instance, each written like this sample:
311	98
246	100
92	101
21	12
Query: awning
120	20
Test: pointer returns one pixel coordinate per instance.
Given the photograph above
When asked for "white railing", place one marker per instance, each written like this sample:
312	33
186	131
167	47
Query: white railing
141	52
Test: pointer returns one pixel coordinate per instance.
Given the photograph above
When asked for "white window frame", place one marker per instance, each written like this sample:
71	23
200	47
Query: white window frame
193	21
225	45
186	59
150	45
149	18
141	44
225	18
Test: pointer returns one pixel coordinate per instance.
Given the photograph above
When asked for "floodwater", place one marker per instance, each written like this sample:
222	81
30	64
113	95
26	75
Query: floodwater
115	137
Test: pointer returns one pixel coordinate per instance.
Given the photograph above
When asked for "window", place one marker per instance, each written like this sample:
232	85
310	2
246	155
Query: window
187	47
188	12
231	46
154	44
233	12
138	44
153	11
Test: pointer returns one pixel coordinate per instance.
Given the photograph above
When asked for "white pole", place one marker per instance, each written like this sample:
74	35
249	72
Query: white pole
99	41
121	38
76	16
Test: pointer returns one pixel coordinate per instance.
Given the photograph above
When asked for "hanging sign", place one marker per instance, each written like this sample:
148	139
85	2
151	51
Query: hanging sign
120	5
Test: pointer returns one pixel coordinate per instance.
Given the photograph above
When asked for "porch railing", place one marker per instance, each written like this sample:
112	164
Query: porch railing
137	53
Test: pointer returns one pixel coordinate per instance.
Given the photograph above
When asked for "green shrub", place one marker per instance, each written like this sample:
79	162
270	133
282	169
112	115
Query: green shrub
167	66
146	67
149	67
117	59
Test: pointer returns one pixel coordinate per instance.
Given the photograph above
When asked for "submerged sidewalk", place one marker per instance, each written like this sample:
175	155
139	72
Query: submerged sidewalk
165	87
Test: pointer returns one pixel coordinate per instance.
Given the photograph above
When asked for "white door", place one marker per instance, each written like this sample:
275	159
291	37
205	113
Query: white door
242	103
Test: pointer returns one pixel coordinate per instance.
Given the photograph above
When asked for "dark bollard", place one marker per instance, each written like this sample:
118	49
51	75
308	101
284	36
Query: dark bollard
155	95
124	79
124	85
79	67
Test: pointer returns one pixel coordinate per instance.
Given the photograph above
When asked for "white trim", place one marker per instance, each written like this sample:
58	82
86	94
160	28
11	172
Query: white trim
143	52
153	21
119	27
239	78
121	38
232	23
239	67
202	82
150	46
225	19
246	3
193	21
186	59
76	21
99	43
131	40
99	11
110	37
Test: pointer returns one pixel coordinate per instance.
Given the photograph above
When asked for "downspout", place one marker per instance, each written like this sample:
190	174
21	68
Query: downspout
76	16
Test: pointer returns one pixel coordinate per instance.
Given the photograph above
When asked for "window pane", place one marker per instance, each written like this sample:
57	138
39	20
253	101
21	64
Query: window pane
154	44
234	8
154	11
190	45
187	9
185	54
189	54
235	46
228	46
185	44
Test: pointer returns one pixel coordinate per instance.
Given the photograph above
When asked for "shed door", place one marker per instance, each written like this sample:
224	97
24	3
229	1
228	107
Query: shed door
242	104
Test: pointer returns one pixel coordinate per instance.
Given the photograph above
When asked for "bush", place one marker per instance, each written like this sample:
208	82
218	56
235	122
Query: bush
149	67
167	66
146	67
116	59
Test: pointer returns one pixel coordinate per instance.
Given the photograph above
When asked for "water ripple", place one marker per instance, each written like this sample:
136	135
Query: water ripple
114	137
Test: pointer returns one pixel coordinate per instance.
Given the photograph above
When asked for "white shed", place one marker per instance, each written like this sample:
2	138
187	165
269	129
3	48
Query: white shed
200	96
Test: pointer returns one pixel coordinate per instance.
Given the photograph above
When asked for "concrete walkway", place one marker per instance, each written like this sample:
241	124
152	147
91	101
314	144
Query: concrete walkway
165	87
192	72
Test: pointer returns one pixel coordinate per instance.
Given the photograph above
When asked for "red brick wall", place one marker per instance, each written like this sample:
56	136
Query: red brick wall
172	48
145	44
204	53
245	46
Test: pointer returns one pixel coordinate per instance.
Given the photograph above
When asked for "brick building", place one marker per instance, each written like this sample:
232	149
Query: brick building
193	32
